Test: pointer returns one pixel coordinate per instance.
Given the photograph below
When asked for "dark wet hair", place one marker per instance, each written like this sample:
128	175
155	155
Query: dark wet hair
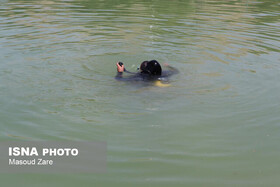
150	67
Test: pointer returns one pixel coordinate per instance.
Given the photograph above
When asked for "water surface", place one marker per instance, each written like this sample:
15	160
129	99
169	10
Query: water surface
216	125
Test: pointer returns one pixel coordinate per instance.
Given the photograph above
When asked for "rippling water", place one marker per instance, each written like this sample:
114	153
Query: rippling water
216	125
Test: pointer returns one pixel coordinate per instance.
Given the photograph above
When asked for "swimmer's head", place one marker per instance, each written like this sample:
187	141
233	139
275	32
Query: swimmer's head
150	67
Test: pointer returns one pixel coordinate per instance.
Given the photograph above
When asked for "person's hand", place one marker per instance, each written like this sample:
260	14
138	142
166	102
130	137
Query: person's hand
120	68
166	64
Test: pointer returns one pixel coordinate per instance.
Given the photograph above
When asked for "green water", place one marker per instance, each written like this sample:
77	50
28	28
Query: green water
218	124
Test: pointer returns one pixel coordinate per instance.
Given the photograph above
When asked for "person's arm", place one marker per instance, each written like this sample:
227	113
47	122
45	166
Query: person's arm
120	69
129	72
171	70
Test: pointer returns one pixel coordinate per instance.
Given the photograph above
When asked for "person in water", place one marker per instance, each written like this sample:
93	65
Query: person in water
149	71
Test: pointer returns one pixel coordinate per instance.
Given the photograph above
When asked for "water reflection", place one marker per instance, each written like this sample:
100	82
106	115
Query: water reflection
226	32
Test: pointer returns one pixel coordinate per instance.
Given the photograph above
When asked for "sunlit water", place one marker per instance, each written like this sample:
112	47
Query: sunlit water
218	123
